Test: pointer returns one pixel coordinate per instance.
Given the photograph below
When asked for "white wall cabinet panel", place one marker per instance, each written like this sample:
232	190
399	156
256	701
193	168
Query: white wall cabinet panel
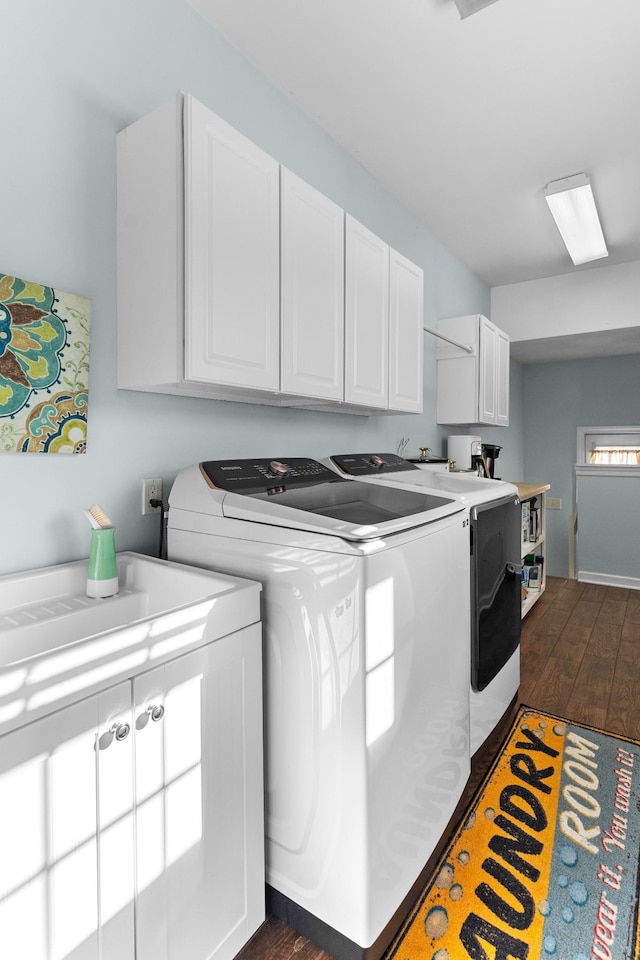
232	230
366	316
406	348
198	257
502	384
312	291
473	387
231	278
488	371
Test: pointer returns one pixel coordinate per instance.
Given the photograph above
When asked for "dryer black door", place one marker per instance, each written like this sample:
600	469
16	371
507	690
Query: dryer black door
496	588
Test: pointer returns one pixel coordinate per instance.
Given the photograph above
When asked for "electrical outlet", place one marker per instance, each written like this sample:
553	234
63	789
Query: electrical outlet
151	490
554	504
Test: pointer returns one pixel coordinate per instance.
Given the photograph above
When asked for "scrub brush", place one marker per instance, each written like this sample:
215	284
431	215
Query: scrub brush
97	517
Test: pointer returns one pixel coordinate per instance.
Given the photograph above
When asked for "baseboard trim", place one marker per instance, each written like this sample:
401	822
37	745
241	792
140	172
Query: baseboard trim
608	580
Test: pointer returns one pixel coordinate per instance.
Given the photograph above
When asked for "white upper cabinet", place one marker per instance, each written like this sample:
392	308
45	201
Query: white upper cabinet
473	387
488	368
232	258
233	278
312	291
502	386
405	334
198	255
366	376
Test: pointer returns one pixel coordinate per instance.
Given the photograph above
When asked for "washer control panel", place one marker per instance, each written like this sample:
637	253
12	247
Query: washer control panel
258	476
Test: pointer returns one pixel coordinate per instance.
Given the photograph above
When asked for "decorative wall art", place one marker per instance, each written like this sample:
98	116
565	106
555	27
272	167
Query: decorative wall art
44	368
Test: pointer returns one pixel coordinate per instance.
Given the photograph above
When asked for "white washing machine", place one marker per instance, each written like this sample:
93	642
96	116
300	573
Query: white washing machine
365	601
494	531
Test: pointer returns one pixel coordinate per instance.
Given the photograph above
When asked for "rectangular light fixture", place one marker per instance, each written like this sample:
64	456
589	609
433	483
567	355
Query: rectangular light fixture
574	211
467	7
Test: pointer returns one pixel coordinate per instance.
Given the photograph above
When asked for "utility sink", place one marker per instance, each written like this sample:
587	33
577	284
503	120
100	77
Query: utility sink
56	642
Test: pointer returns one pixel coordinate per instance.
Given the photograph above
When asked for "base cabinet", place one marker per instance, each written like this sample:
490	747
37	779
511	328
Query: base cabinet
66	870
132	821
473	387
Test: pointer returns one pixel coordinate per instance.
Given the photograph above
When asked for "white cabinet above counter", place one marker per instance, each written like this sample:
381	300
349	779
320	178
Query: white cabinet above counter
473	385
239	281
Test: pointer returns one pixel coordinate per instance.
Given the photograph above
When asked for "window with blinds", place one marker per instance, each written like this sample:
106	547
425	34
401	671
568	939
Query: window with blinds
616	447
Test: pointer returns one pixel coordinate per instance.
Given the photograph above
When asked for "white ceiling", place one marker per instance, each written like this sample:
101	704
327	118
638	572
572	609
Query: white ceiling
465	121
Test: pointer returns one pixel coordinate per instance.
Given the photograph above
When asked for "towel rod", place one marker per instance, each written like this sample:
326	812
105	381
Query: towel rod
456	343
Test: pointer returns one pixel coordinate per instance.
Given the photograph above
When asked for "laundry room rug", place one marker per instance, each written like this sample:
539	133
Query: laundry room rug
545	864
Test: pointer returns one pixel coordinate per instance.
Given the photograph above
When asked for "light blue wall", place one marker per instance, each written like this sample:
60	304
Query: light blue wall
72	74
609	526
557	399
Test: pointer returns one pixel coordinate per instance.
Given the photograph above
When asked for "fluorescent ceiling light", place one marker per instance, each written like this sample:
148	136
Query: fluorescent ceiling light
574	211
467	7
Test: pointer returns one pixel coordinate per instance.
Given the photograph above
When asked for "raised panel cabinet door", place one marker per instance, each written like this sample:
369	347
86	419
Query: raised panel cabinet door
366	316
116	847
502	373
312	291
232	257
406	348
199	800
487	411
54	902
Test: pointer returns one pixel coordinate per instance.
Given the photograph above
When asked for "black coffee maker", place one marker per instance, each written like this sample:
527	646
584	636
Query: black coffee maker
490	453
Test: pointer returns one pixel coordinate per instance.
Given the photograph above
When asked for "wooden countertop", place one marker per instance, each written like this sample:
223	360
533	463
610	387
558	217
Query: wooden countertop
527	490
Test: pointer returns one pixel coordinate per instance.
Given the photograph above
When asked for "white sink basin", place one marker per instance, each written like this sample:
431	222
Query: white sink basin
57	643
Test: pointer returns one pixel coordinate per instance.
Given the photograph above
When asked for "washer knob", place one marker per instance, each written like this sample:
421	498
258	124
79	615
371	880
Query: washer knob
377	461
280	469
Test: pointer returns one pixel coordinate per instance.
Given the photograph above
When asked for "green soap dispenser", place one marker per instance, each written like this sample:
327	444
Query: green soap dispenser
102	572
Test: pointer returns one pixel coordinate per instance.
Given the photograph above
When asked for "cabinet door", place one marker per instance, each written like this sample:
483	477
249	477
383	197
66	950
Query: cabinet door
366	316
51	902
487	411
199	796
116	846
232	258
312	291
502	380
406	347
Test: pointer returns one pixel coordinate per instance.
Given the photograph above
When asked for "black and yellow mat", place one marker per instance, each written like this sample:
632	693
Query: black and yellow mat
545	864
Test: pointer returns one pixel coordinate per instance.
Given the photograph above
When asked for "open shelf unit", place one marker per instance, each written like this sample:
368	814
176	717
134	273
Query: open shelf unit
534	525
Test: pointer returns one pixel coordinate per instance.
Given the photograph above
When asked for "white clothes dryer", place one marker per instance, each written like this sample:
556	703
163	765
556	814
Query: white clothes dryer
495	596
365	604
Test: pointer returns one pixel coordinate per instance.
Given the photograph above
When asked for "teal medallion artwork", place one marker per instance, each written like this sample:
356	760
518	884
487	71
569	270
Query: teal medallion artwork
44	368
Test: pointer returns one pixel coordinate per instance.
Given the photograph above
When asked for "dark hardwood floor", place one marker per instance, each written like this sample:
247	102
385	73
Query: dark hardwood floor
580	659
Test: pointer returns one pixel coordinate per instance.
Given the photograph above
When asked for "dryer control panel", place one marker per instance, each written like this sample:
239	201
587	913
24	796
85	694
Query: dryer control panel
370	464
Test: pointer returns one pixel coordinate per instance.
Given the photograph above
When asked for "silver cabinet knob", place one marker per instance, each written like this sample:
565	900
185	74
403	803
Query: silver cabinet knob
120	730
156	712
